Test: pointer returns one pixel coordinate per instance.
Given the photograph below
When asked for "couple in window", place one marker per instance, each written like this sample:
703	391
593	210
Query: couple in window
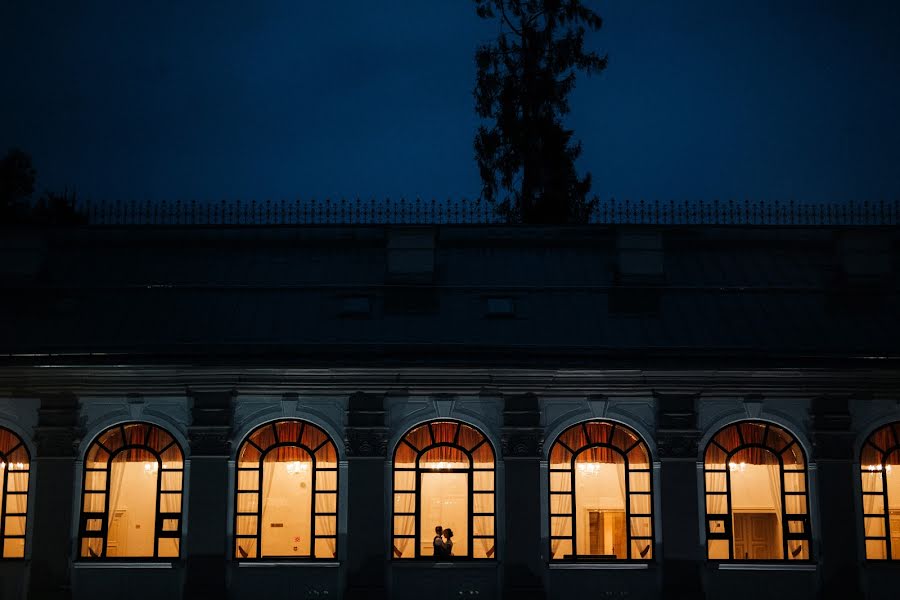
443	542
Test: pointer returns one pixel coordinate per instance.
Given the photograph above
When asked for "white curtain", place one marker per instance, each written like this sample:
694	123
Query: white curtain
872	482
325	525
169	503
405	524
774	472
116	476
873	503
558	505
246	504
641	528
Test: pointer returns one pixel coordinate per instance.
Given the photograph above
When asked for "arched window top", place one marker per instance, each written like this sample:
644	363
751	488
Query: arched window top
286	503
15	467
879	464
13	449
881	448
444	444
755	443
136	440
133	474
604	441
291	433
601	494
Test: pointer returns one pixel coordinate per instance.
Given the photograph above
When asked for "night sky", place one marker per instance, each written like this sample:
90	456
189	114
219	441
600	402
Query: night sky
232	99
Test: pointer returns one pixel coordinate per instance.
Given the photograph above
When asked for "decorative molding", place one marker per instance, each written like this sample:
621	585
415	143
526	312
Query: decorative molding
678	444
522	443
289	405
366	442
135	406
753	406
8	409
443	406
210	440
598	405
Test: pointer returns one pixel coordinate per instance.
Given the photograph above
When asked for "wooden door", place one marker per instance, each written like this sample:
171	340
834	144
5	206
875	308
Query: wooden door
756	536
606	533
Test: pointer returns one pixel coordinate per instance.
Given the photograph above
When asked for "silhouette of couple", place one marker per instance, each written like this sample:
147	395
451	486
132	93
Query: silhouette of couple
443	542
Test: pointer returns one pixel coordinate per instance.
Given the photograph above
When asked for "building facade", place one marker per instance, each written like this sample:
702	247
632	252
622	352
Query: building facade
609	411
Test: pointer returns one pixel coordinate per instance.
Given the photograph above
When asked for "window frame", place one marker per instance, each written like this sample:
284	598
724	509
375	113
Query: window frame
884	455
728	518
4	493
313	513
470	493
159	532
572	493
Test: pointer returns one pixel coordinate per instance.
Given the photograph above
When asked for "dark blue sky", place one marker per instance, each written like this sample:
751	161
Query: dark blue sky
770	99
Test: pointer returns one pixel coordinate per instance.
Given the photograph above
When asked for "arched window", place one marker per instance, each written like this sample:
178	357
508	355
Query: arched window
444	476
287	488
131	506
601	494
15	464
880	471
756	494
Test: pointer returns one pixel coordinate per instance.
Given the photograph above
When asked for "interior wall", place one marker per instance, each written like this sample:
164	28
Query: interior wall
132	510
599	488
286	514
444	498
751	489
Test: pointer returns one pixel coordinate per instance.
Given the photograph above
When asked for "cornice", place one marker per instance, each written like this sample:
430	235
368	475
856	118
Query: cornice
25	381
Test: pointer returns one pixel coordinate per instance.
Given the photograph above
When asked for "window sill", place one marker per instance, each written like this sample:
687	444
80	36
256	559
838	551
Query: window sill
882	564
607	566
125	564
757	566
424	563
268	564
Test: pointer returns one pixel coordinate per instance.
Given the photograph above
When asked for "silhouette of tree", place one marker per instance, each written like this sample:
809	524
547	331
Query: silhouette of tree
523	83
16	184
17	177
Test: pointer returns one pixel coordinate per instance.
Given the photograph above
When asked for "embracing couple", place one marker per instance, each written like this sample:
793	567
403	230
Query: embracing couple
443	542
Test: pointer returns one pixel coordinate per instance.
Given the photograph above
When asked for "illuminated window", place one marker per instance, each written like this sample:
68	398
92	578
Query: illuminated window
15	464
880	472
287	488
756	494
444	476
601	494
131	505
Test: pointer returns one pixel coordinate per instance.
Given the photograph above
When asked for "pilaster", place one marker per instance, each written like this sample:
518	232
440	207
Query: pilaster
366	446
522	440
207	539
56	437
682	553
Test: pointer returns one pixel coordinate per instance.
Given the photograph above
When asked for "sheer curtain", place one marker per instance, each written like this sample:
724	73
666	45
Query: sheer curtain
247	503
117	469
774	472
559	504
404	524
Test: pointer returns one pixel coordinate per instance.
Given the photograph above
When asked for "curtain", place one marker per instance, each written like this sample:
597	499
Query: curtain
560	503
248	503
481	528
774	472
116	476
169	503
872	481
405	524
